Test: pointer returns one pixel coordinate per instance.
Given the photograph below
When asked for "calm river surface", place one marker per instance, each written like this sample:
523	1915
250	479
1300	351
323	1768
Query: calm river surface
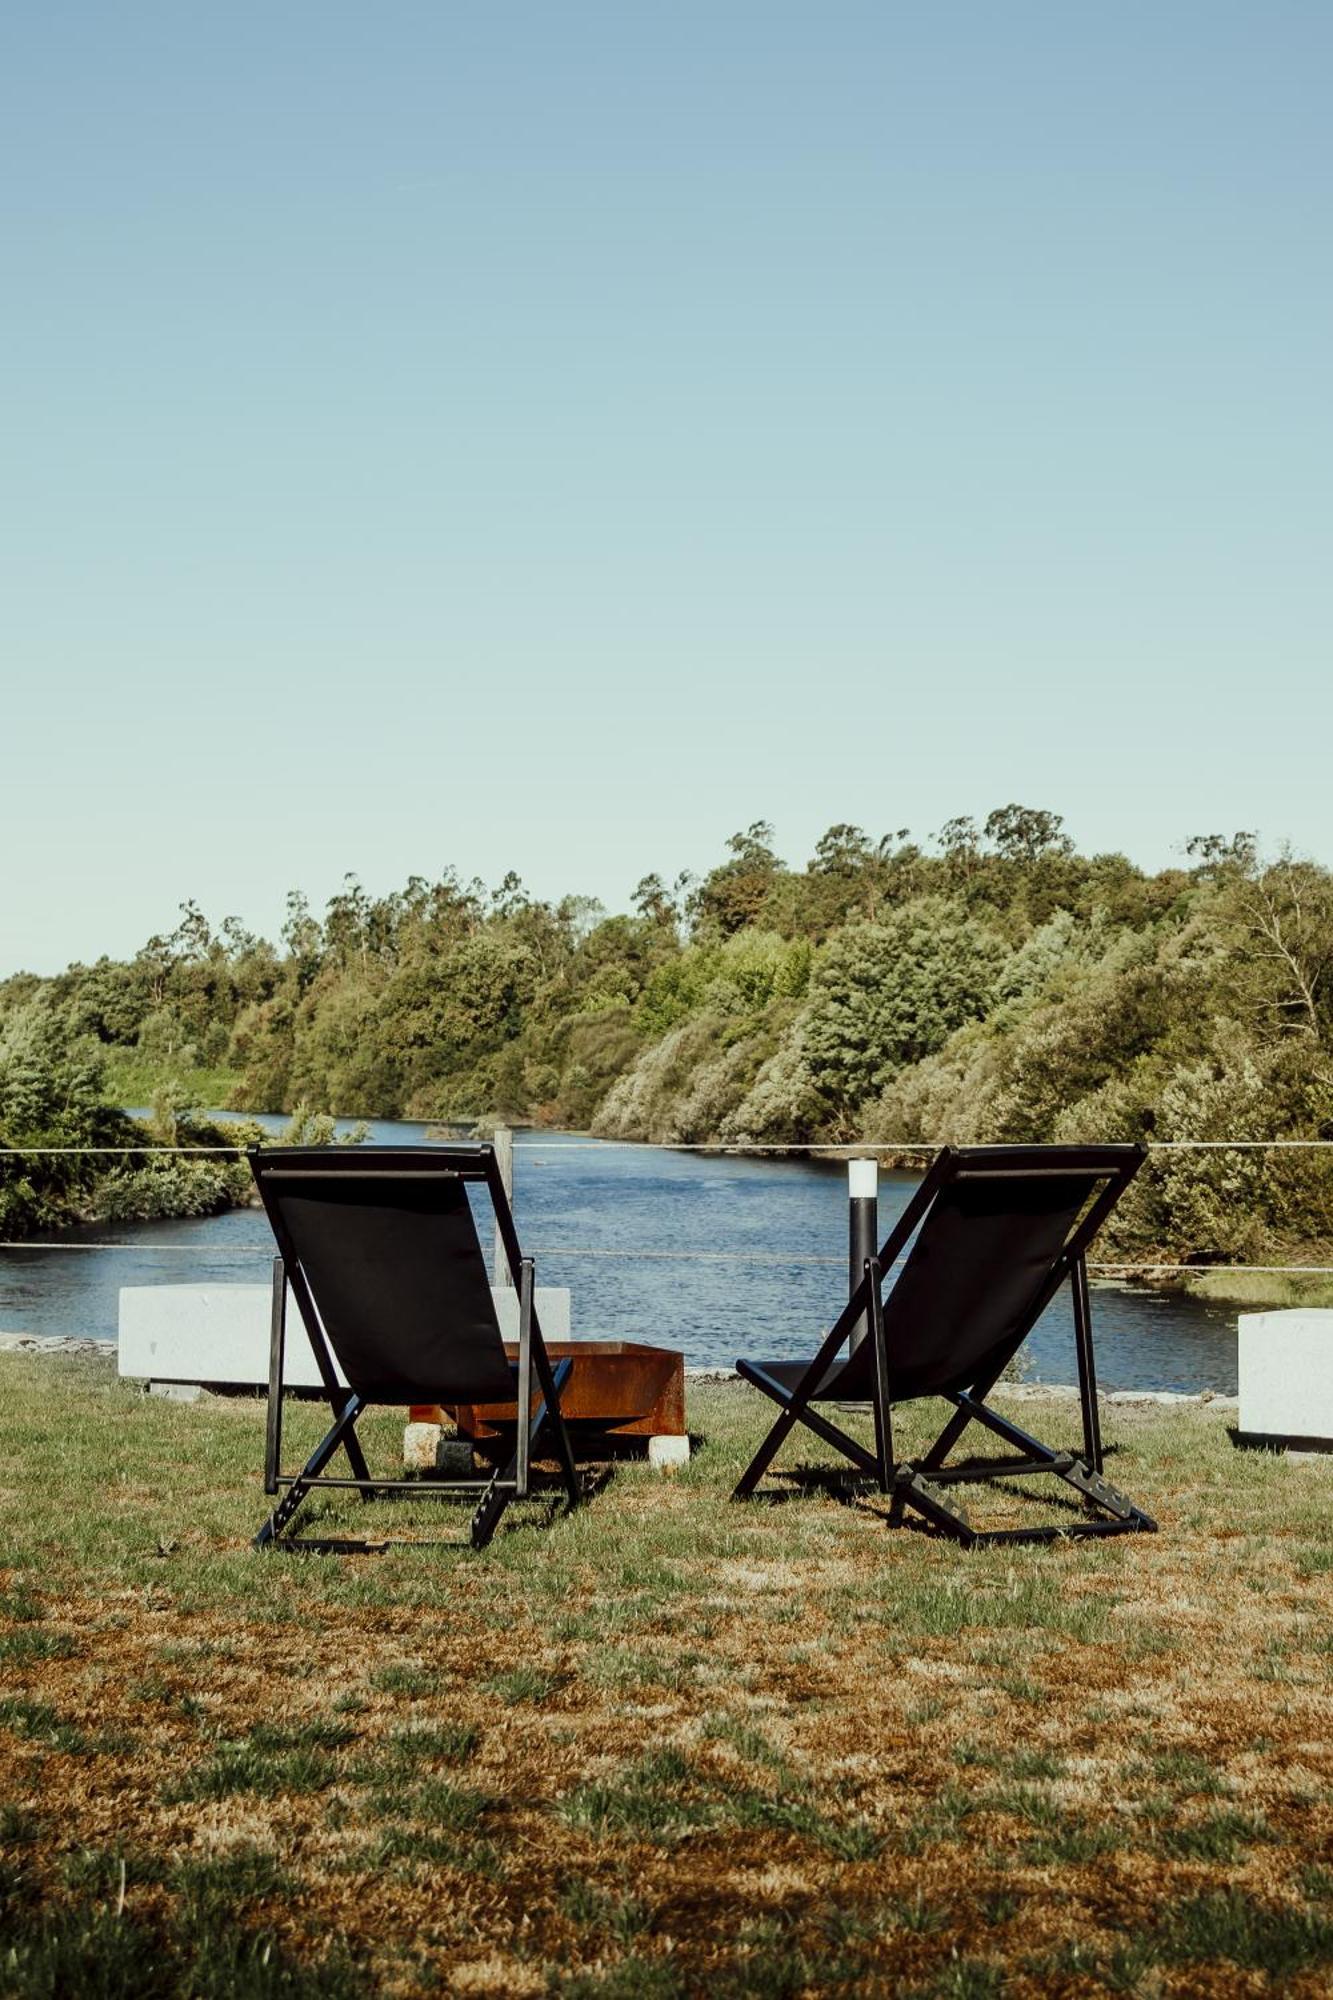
573	1196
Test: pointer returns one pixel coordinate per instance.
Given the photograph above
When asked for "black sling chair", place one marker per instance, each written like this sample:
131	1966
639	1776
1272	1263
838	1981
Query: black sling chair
379	1249
994	1232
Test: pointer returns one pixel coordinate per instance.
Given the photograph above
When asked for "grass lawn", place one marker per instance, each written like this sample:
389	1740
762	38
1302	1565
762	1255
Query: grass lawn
132	1080
668	1746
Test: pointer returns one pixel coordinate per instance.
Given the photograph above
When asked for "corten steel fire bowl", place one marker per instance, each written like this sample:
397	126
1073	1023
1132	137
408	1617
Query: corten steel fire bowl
616	1389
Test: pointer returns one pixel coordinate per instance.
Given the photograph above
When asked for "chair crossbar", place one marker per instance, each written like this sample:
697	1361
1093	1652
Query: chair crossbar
995	1468
357	1173
980	1412
394	1485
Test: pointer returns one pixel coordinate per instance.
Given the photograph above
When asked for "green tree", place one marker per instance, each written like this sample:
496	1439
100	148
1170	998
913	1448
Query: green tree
884	995
1026	833
733	895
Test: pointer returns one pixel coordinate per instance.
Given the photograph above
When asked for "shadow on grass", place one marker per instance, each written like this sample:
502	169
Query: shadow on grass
541	1510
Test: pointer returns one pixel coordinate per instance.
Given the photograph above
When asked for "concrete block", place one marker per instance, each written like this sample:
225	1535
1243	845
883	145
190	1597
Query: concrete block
430	1448
1285	1371
668	1454
208	1333
219	1334
421	1447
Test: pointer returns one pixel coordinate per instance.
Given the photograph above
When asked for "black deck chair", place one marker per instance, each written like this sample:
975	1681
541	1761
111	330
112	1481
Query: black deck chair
380	1251
994	1231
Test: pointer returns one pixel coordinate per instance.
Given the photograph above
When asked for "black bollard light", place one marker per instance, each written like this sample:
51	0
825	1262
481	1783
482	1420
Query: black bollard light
862	1230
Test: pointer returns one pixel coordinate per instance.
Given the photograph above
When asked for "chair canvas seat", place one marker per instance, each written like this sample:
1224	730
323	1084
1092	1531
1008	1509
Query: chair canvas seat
379	1248
987	1240
849	1381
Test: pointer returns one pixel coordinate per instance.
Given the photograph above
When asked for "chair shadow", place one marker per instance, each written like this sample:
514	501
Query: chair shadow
863	1496
805	1482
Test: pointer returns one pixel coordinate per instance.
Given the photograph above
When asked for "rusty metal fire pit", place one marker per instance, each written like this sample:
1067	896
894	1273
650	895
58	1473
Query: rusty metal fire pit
618	1389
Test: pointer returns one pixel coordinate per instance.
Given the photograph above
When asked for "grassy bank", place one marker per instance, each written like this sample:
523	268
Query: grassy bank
669	1746
131	1079
1261	1291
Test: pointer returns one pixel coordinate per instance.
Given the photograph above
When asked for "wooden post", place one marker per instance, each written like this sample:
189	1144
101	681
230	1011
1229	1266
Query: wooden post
503	1142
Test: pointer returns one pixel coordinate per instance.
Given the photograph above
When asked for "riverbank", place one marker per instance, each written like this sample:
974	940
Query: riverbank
123	1168
1260	1291
668	1745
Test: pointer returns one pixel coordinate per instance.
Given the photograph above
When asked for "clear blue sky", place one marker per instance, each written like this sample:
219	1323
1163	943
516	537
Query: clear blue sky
553	436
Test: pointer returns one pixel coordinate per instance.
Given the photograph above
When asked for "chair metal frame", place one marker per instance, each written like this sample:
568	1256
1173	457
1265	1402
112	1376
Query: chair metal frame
538	1383
920	1484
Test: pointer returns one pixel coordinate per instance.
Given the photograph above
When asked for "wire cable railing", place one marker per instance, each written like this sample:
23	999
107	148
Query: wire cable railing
262	1253
840	1148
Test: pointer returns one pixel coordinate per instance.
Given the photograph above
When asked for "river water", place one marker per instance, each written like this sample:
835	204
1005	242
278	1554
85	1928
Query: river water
757	1288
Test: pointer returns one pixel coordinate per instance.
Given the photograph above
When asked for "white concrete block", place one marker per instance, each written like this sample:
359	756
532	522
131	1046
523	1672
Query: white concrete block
668	1454
551	1301
220	1333
421	1446
1285	1370
208	1333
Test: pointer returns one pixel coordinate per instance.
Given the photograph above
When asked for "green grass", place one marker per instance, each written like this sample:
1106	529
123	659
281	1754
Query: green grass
21	1604
1260	1291
669	1745
133	1081
237	1768
1185	1771
414	1743
406	1677
1217	1836
101	1952
1231	1925
848	1840
597	1912
523	1684
25	1646
38	1723
652	1799
441	1803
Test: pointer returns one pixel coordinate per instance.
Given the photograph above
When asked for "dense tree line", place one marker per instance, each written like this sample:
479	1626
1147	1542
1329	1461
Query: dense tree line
987	984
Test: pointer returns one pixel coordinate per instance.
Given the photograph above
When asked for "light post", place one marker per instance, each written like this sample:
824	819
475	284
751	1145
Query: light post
862	1230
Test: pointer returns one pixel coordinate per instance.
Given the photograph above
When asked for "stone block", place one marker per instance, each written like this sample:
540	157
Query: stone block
1285	1371
219	1334
421	1447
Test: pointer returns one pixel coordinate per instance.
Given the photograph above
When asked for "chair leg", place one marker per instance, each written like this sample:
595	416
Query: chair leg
491	1506
340	1434
946	1440
796	1409
552	1382
277	1349
765	1455
504	1487
928	1498
1087	1367
883	1407
794	1403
